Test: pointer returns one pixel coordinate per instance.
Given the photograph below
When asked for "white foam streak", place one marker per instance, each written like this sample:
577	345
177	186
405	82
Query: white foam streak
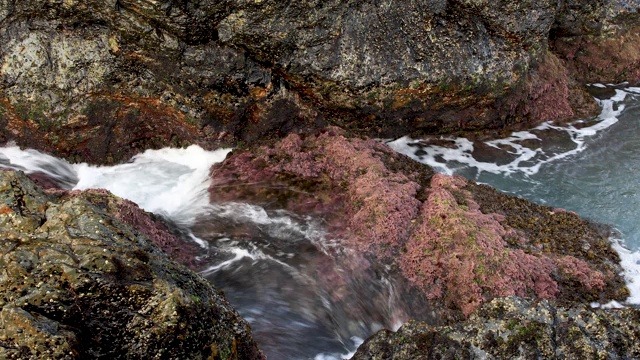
630	262
356	343
459	152
278	224
170	182
32	161
238	253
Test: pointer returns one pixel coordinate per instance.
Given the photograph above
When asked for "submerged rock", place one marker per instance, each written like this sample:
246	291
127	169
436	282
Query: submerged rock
101	80
510	328
459	243
77	283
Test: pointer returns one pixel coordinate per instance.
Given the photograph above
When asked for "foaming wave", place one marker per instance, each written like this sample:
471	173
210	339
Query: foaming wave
630	262
356	343
32	161
169	182
526	151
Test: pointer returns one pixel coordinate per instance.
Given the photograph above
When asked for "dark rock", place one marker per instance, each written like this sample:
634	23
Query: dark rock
77	282
509	328
138	74
459	243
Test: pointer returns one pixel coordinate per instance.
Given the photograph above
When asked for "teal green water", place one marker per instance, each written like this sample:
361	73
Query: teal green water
592	167
601	183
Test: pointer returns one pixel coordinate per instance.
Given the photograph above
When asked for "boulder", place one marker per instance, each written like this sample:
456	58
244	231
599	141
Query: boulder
138	74
77	282
514	328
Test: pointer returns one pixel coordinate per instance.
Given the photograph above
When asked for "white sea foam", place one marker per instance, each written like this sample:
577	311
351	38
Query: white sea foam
238	253
356	342
525	157
32	161
170	182
630	261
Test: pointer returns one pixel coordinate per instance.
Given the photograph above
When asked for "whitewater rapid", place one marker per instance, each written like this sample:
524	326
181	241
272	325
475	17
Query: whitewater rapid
169	182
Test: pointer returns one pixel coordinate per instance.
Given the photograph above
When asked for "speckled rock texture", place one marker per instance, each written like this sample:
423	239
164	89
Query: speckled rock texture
514	328
77	283
138	74
460	243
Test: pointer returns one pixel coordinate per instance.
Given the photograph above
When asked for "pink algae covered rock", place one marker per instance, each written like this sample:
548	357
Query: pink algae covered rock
344	180
183	252
430	228
579	270
459	253
131	214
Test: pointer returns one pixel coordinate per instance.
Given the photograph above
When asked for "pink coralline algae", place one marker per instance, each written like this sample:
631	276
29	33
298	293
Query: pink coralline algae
430	229
459	253
344	180
179	250
581	271
131	214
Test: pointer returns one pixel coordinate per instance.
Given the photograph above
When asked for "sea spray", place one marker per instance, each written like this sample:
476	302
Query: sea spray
169	182
278	269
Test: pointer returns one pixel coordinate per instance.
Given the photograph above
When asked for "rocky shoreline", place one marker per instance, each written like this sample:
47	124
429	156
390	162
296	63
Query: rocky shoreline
298	88
78	281
99	81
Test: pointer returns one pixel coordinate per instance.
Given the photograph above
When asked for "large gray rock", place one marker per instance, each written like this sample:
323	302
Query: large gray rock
513	328
77	283
145	73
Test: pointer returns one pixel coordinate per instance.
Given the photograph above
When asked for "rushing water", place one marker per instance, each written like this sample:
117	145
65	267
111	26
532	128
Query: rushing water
591	167
304	295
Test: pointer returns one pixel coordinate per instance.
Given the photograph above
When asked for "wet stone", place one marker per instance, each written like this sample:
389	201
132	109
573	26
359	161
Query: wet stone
76	292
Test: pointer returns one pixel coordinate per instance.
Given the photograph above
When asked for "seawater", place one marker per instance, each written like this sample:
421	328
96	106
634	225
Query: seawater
278	269
591	167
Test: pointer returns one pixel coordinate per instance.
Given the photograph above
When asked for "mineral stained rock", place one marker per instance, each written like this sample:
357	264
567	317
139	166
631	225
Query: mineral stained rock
77	283
138	74
460	243
514	328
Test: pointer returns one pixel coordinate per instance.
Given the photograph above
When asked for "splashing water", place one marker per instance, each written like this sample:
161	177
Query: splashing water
168	182
591	167
304	296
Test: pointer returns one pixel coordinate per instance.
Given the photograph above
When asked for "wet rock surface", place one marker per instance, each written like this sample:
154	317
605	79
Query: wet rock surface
459	243
100	81
141	74
508	328
76	282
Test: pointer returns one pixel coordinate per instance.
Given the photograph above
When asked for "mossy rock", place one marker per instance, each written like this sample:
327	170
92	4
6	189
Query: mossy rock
78	283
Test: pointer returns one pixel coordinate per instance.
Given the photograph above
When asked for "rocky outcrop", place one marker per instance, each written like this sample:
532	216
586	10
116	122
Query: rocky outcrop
138	74
77	282
513	328
459	243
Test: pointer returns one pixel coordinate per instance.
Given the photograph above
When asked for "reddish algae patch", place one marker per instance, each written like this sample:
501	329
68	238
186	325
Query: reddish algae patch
440	232
459	253
343	180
